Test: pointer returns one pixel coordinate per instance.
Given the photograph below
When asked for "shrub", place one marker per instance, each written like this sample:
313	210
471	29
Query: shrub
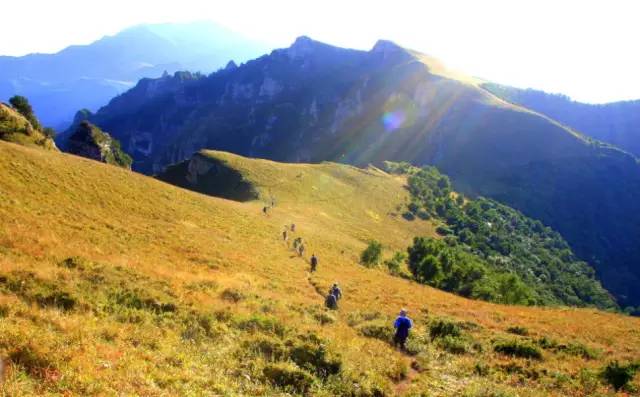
408	216
481	369
289	377
357	317
578	349
74	262
232	295
324	318
394	264
444	230
371	255
33	361
518	349
60	299
199	326
618	375
315	358
376	330
415	345
271	349
261	323
522	331
442	328
453	344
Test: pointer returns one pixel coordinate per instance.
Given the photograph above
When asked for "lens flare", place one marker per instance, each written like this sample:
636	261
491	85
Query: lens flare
393	120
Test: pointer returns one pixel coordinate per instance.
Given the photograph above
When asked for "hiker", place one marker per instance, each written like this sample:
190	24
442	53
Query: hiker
264	209
336	291
301	249
314	263
285	237
296	243
293	227
402	325
331	302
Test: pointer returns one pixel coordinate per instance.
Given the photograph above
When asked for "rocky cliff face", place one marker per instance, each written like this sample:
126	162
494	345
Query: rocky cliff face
91	142
313	102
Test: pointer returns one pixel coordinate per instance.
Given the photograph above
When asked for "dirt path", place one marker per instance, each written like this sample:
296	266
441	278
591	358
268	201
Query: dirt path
403	386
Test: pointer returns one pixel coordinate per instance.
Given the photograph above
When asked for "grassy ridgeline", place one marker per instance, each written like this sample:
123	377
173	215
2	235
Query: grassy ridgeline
112	282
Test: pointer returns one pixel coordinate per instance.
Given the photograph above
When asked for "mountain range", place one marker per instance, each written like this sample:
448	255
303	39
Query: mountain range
87	76
313	102
617	123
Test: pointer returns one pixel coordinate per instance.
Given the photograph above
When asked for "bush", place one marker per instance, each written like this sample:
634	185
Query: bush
270	348
315	358
199	326
33	361
444	230
261	323
453	344
232	295
60	299
408	216
394	264
289	377
518	349
618	375
75	262
324	318
379	331
371	255
443	328
522	331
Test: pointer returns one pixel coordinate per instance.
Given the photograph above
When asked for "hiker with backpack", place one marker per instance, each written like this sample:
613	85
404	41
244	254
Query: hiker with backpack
331	302
336	291
402	325
314	262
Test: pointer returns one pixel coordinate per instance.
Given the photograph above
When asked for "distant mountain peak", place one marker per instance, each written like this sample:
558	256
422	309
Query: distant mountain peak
304	46
231	65
388	48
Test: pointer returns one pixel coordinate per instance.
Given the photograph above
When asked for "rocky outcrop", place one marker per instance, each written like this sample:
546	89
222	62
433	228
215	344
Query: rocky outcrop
91	142
209	175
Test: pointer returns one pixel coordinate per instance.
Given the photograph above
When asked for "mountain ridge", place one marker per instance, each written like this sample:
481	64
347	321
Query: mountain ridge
319	102
89	75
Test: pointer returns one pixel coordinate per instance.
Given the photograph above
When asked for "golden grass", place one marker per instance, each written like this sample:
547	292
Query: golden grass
189	248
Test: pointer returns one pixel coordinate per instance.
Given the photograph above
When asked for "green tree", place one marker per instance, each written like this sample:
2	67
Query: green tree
372	254
22	105
396	262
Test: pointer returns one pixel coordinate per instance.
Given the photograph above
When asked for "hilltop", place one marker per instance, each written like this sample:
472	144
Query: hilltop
150	289
314	102
14	127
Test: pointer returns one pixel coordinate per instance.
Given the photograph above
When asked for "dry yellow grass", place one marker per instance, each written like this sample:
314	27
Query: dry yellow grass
181	247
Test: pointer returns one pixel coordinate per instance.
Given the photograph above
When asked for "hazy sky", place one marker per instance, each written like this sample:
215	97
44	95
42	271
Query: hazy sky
589	50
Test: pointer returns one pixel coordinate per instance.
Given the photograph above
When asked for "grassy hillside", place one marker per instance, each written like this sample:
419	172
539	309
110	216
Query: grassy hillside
314	102
113	282
15	128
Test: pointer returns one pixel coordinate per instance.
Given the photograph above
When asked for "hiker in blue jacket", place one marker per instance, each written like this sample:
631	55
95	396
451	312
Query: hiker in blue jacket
402	325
